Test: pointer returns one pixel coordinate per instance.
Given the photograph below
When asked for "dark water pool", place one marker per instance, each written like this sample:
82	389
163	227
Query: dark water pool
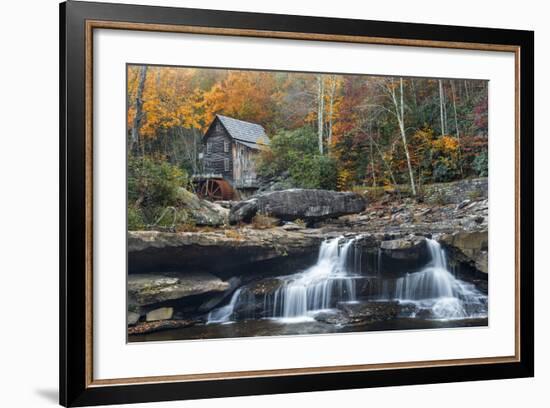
266	327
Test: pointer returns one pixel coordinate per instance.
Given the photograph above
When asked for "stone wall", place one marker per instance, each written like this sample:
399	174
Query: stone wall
457	191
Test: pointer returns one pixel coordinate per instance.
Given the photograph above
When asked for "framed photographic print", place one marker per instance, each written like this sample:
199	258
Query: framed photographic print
255	203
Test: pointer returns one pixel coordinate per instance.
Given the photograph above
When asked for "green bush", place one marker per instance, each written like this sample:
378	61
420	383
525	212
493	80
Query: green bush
153	186
135	219
287	147
444	170
297	152
314	172
481	164
153	183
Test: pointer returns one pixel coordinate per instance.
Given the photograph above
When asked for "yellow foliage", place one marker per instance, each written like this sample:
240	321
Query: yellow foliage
345	179
446	144
168	99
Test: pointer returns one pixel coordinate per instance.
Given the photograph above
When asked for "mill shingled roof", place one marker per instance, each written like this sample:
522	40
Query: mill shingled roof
249	134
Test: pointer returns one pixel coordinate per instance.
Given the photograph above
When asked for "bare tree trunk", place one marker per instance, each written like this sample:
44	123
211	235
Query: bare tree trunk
372	156
196	135
404	137
415	98
331	110
454	109
384	162
400	114
320	110
456	124
136	126
441	104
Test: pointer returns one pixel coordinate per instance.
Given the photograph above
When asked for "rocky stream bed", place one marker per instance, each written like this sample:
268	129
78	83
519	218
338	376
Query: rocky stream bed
328	262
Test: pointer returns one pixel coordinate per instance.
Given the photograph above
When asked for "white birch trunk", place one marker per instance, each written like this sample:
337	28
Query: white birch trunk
331	110
400	114
441	103
320	111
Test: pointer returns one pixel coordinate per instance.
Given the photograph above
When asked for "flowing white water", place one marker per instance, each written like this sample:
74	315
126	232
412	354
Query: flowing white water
321	286
223	314
435	288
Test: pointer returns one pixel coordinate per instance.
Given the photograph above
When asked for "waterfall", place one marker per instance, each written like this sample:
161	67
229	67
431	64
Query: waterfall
321	286
223	314
333	279
435	288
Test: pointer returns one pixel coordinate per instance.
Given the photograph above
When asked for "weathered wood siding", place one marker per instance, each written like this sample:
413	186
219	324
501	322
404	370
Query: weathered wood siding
214	158
244	164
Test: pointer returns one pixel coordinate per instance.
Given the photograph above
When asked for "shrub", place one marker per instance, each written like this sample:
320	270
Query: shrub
296	151
135	219
154	183
315	172
153	189
444	170
287	147
345	179
481	164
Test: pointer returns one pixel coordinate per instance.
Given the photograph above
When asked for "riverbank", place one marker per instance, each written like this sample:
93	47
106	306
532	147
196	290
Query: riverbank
390	239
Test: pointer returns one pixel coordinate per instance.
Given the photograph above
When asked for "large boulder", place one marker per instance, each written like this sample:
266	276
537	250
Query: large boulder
243	211
202	212
305	204
398	256
411	248
469	247
147	289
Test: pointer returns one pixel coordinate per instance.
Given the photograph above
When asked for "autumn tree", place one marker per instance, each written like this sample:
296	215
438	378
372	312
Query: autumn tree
395	91
369	130
138	106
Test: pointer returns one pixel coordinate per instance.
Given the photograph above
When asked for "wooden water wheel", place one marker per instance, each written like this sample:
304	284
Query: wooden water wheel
214	189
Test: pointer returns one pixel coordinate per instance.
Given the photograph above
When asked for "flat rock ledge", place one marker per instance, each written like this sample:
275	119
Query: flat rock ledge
150	327
147	289
217	251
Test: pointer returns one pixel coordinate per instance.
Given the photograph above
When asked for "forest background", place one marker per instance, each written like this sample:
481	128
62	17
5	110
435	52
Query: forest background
330	131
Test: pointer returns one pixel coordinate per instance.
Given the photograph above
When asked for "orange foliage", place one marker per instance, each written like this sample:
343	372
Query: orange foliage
246	95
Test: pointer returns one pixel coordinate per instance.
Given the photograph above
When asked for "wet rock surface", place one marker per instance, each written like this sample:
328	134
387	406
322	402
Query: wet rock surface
360	313
390	241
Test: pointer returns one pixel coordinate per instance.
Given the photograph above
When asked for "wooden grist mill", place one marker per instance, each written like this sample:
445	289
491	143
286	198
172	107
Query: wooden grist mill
231	147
